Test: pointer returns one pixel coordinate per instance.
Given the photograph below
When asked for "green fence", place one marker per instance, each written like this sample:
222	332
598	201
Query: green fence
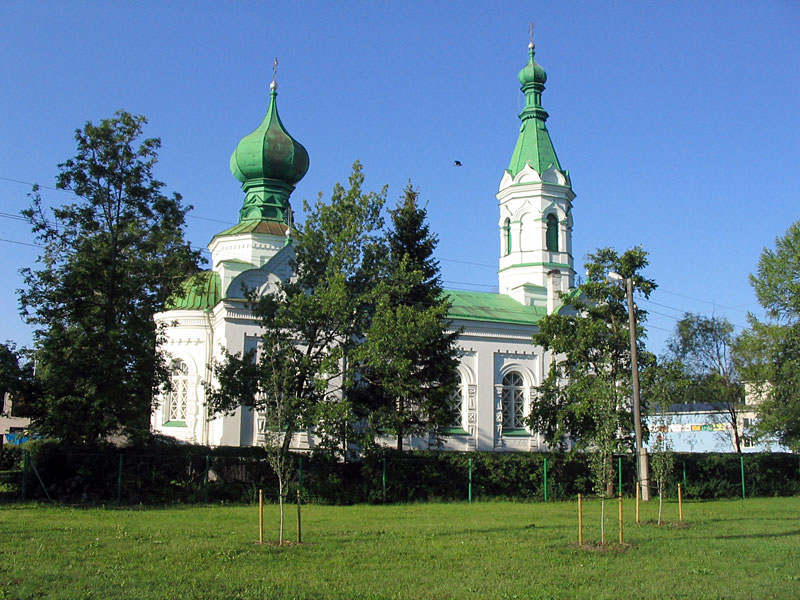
195	474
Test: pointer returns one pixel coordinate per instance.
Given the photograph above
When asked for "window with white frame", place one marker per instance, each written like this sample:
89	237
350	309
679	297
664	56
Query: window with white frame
513	401
178	393
456	407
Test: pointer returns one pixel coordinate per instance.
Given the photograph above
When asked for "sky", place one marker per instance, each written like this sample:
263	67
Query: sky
678	121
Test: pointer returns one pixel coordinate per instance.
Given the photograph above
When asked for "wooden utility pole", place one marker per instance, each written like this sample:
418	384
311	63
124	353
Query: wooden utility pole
642	467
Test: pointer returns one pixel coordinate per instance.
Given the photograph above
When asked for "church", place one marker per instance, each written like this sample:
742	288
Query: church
499	366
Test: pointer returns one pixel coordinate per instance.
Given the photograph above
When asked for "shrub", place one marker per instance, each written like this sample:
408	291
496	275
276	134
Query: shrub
167	472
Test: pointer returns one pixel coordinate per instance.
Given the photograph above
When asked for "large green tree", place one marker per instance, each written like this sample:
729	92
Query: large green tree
589	379
704	346
769	353
409	359
110	261
310	327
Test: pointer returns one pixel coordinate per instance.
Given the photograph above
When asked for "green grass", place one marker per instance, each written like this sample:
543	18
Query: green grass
729	549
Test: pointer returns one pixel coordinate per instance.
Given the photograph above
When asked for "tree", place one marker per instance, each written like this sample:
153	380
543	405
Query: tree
16	376
754	351
590	351
704	346
666	384
770	352
310	326
779	410
777	281
604	412
663	458
408	362
584	395
110	261
267	383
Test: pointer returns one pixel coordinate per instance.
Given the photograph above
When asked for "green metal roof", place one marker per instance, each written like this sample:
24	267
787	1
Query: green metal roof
534	146
270	152
270	227
495	308
268	162
198	292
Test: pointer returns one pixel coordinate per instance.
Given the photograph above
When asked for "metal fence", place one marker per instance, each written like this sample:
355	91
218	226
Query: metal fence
152	478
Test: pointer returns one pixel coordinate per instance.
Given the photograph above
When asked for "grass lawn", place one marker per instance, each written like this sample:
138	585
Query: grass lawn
729	549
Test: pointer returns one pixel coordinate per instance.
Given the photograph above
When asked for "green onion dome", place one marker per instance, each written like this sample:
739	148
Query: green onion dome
532	72
270	152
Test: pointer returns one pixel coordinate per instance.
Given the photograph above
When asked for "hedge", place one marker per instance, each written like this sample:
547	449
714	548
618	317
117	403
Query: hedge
160	473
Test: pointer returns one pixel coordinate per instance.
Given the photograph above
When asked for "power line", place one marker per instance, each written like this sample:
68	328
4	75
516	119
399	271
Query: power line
210	219
469	283
676	319
466	262
452	260
47	187
21	243
684	312
12	216
703	301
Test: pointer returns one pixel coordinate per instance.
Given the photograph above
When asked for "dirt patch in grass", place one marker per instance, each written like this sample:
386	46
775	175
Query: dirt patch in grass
670	524
606	548
286	544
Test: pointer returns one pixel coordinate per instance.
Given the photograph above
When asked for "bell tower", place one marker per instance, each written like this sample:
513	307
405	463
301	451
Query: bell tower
535	199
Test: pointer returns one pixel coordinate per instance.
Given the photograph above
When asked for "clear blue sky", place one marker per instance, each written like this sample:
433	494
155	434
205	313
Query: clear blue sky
678	121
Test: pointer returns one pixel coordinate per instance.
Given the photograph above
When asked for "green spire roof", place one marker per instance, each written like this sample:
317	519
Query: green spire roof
534	146
268	162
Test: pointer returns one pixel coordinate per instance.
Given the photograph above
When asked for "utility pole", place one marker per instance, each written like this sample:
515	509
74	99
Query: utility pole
641	452
642	467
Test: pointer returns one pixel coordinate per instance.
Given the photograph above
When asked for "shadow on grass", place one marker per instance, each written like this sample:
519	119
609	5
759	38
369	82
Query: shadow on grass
745	536
111	506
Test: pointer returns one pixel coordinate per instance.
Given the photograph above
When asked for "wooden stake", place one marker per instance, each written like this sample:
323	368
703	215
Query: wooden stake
637	503
299	529
620	519
580	522
260	517
680	502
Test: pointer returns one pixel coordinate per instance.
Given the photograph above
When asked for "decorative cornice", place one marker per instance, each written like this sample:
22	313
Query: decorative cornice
523	334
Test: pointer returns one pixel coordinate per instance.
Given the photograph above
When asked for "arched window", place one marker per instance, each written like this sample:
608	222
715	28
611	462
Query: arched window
552	233
456	407
175	410
507	236
513	401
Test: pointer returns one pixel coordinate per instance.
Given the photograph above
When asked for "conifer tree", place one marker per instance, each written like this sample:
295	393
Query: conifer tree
409	359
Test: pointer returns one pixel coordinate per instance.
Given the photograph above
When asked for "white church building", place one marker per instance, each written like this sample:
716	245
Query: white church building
499	366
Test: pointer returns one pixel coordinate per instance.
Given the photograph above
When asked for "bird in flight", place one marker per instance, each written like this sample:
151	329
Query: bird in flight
457	163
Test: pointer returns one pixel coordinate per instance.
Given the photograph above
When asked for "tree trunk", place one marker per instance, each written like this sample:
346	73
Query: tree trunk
280	504
660	501
603	519
737	444
400	408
